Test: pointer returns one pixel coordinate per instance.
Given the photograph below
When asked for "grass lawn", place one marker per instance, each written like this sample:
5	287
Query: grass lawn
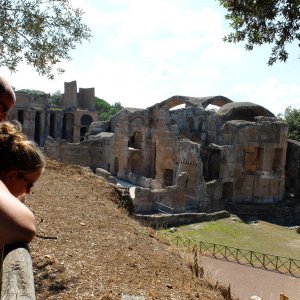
261	236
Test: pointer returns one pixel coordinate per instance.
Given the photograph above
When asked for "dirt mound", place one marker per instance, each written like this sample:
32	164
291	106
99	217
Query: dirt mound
88	248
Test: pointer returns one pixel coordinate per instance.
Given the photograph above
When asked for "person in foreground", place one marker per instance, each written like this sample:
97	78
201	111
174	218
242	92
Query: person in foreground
7	98
21	165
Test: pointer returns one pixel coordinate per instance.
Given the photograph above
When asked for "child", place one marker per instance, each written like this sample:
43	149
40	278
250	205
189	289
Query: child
21	165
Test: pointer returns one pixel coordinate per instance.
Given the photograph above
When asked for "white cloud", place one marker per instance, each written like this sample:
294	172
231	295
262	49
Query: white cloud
168	48
219	52
143	52
272	93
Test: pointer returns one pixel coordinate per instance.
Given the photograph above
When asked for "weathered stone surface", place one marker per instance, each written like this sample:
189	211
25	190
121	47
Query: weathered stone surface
293	169
70	121
167	220
189	159
106	175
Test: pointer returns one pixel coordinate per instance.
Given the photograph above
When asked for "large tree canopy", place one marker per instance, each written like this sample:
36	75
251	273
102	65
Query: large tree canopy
105	110
258	22
39	32
292	117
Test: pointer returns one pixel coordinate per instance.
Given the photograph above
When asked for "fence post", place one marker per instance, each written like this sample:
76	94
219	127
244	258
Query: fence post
251	252
17	274
214	250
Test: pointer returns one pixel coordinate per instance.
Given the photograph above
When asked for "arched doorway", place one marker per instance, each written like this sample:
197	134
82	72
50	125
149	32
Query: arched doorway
85	122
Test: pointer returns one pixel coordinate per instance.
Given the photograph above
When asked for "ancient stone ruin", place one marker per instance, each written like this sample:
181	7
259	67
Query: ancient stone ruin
192	159
70	121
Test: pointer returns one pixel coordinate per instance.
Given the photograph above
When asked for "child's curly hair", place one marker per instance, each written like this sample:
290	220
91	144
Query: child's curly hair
17	152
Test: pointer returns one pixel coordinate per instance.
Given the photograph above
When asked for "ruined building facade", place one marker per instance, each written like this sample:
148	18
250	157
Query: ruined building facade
189	159
69	122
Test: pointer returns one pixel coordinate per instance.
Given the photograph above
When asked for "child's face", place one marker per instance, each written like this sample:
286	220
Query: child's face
19	183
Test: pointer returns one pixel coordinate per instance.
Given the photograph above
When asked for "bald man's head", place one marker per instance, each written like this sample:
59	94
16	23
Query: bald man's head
7	99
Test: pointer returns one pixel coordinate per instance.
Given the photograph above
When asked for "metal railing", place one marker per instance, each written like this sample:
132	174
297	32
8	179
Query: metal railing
255	259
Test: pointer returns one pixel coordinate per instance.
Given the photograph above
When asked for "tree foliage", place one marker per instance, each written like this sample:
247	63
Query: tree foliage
39	32
55	99
292	117
105	110
258	22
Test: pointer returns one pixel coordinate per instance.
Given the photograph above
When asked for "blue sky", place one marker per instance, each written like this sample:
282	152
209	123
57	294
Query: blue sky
143	52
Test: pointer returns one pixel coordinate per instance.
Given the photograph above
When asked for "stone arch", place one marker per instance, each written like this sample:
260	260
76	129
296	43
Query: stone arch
217	100
135	141
243	111
137	122
175	101
86	120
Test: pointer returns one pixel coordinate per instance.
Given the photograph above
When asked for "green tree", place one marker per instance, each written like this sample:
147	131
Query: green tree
55	98
39	32
105	110
258	22
292	117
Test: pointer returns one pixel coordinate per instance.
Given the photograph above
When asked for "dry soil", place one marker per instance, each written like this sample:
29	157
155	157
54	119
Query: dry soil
89	248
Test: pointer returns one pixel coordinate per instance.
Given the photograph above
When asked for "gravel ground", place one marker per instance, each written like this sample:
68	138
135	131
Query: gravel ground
89	248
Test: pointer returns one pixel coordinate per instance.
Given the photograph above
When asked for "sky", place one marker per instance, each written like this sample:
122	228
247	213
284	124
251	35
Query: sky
144	52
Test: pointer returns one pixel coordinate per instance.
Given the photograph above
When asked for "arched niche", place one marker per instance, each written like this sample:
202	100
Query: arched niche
135	141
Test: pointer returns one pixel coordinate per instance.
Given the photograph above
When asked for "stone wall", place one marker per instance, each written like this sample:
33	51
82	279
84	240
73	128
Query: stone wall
69	99
292	182
170	199
68	122
167	220
92	153
235	155
279	214
254	166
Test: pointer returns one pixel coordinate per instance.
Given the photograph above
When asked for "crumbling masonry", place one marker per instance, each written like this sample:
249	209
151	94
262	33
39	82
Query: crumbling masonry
193	158
70	121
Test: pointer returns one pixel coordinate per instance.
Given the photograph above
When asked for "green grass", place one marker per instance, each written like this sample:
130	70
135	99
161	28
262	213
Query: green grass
260	237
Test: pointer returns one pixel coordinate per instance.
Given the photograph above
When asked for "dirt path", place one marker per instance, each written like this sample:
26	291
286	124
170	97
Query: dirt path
246	281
